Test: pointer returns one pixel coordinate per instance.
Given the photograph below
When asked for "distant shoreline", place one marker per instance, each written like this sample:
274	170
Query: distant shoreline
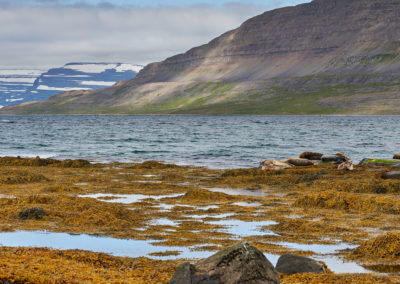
217	115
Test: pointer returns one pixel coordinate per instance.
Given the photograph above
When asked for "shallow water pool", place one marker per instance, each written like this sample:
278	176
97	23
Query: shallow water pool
127	198
138	248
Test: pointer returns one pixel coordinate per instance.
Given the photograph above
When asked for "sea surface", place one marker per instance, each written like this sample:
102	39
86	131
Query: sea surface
211	141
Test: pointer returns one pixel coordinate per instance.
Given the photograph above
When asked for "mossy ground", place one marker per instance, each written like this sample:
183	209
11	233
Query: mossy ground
310	205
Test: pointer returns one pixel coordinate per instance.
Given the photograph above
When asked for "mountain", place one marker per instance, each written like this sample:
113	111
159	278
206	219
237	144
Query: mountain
32	85
323	57
14	83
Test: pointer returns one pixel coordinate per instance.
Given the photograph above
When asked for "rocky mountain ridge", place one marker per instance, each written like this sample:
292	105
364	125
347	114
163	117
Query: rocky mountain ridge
323	57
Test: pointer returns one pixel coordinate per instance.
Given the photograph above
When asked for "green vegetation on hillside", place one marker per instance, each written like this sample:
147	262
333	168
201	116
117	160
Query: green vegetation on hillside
314	95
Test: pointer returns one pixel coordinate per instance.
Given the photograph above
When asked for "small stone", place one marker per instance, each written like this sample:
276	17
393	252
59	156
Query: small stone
311	156
292	264
34	213
238	264
299	162
392	175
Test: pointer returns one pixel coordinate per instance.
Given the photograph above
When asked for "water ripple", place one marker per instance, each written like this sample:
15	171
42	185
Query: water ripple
212	141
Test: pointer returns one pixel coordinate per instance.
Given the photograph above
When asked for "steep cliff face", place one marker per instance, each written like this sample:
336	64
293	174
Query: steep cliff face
294	58
292	41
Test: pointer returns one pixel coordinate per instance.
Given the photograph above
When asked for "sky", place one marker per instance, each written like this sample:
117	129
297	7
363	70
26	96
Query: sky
50	33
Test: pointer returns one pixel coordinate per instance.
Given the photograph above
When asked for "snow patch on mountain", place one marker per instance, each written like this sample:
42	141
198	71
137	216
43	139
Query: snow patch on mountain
17	86
58	89
14	83
97	83
128	67
90	68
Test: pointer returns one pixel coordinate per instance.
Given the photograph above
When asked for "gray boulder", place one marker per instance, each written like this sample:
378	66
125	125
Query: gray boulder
311	156
292	264
392	175
238	264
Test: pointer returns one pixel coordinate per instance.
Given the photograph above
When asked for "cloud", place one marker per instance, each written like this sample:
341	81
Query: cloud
52	35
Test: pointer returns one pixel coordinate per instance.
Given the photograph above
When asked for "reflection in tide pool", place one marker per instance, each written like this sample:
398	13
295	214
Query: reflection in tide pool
245	229
234	191
137	248
117	247
317	248
6	196
337	265
163	222
247	204
127	198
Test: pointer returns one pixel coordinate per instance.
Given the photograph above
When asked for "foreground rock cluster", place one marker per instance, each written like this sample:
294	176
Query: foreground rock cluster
242	263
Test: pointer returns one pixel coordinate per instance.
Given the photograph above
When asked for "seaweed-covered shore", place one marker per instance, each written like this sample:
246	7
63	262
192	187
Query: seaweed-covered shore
318	211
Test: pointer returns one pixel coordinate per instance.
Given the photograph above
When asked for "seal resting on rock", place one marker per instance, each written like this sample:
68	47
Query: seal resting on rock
311	156
341	154
348	165
298	162
274	165
338	158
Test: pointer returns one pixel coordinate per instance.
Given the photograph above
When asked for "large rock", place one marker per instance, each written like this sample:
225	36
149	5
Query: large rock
238	264
274	165
396	157
292	264
392	175
311	156
299	162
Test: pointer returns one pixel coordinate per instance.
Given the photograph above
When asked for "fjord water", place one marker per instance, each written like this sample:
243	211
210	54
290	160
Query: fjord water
212	141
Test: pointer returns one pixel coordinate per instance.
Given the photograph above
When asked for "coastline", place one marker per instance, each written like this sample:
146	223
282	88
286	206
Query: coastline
304	210
211	141
207	115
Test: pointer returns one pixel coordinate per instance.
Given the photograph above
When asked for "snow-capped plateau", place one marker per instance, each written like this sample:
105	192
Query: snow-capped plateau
19	86
14	83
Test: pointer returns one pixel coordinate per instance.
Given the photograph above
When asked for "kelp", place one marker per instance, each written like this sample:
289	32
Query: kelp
310	205
42	265
383	248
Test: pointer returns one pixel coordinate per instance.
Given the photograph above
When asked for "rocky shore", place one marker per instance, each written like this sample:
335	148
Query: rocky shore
310	219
